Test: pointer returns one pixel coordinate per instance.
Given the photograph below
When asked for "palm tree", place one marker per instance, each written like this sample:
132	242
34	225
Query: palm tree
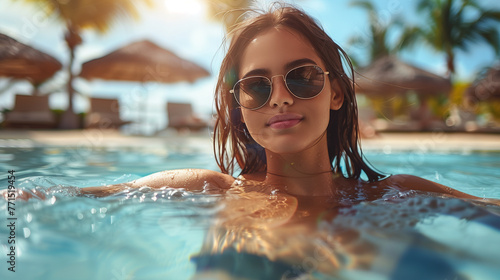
377	38
453	25
77	15
229	12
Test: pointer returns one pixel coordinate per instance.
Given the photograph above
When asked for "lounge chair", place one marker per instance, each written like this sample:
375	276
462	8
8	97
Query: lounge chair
182	117
104	113
30	112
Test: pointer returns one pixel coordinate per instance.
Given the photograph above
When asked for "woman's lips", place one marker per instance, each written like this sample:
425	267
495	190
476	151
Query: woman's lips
284	121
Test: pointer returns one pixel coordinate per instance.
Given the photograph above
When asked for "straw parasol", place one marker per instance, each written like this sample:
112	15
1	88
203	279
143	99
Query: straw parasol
142	61
20	61
389	76
487	88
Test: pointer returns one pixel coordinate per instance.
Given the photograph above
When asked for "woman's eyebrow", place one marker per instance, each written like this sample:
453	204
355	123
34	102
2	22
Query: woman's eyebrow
299	62
256	72
289	65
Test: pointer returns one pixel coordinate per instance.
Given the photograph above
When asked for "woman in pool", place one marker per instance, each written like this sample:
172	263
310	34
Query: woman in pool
287	117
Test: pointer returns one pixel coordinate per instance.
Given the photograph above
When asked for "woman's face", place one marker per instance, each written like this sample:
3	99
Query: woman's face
286	124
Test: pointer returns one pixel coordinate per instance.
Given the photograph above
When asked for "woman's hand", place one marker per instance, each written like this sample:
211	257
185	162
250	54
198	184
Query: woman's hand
20	194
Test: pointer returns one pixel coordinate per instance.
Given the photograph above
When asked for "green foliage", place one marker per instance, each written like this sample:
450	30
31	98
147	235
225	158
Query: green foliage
453	25
97	15
376	41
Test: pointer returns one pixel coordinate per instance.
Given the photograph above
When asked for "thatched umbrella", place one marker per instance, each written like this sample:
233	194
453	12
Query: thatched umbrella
388	76
20	61
487	88
142	61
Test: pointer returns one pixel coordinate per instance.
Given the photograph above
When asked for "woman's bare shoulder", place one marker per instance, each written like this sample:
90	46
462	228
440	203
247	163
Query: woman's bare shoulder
411	182
188	179
258	176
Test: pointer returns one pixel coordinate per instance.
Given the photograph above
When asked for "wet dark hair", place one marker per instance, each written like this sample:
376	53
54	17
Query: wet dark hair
233	143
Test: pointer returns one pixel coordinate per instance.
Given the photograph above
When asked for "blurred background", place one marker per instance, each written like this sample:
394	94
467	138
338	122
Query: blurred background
421	65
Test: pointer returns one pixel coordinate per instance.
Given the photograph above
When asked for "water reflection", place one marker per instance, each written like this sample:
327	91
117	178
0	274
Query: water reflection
264	233
256	232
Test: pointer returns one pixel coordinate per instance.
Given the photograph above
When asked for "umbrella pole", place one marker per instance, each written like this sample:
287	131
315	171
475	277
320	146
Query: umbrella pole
69	119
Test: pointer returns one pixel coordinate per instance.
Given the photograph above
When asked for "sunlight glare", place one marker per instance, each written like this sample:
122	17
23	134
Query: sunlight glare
186	7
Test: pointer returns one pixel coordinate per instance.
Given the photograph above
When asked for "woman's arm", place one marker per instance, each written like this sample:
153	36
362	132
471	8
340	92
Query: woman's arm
189	179
410	182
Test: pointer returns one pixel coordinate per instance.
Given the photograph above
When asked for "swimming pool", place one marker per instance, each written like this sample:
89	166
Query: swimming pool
146	234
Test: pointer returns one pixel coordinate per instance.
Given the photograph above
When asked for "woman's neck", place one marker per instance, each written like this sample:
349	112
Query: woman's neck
305	173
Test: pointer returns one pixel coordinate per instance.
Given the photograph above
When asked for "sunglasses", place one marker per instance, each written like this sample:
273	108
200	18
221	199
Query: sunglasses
303	82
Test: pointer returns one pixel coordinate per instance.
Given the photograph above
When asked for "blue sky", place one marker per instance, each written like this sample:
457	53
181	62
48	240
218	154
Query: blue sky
184	28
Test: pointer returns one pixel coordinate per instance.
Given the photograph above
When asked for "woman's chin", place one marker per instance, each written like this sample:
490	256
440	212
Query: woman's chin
287	147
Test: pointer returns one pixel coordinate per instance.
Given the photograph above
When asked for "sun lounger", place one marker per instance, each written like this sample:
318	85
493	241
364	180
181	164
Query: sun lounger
103	114
30	112
181	117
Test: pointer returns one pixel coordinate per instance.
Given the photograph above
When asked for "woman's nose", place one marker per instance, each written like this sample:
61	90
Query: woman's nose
280	94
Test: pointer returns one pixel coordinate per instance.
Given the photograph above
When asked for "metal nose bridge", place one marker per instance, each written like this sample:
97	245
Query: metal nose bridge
284	80
284	83
282	75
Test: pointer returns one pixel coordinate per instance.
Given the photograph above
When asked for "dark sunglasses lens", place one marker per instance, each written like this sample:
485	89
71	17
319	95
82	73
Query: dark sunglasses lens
252	92
306	81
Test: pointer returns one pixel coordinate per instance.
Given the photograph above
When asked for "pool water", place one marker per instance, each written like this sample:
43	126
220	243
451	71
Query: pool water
146	234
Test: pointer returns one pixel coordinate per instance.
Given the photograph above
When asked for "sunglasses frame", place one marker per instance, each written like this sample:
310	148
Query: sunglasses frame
325	73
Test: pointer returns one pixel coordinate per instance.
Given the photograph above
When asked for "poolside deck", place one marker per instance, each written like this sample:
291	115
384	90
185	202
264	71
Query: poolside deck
430	141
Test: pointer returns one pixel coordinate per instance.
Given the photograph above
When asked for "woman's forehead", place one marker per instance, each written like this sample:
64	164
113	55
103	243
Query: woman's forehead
275	51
